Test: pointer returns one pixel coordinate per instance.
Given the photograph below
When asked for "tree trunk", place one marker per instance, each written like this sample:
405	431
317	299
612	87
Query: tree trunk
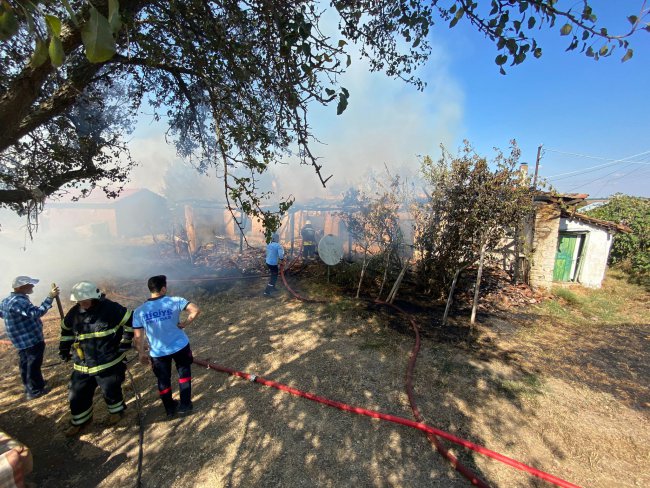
398	282
189	228
450	298
363	271
383	280
478	284
515	271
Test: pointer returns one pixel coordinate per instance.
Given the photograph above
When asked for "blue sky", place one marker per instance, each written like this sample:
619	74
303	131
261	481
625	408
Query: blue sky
595	111
565	101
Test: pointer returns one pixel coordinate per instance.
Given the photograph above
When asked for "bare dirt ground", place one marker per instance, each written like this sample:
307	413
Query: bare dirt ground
568	399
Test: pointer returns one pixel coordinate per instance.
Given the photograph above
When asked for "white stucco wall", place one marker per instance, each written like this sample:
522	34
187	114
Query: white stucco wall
596	253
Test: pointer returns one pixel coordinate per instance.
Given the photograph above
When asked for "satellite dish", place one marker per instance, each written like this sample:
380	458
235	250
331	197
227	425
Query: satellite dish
330	249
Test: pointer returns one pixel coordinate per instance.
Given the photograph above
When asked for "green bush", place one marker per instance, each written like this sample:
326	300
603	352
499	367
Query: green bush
629	249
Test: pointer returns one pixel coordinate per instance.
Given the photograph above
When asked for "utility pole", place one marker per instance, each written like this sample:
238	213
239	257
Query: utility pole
539	157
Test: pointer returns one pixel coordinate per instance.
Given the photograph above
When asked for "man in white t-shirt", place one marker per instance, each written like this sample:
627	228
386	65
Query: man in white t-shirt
160	319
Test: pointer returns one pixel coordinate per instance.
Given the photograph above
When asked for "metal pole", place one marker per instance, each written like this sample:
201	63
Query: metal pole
539	157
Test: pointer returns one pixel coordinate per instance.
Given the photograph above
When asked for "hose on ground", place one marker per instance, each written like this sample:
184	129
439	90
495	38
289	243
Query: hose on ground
392	418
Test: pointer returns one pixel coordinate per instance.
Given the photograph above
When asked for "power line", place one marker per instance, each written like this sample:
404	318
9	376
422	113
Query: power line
610	163
597	168
603	176
619	177
584	155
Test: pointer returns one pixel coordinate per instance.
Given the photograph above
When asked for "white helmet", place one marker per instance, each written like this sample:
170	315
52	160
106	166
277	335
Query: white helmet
84	290
307	222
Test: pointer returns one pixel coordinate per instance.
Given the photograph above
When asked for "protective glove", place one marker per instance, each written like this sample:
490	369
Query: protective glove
54	292
65	356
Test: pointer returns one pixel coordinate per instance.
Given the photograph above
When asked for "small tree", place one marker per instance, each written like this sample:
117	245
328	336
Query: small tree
373	223
469	209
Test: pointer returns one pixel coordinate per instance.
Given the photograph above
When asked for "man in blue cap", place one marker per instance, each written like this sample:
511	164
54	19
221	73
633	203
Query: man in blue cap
25	331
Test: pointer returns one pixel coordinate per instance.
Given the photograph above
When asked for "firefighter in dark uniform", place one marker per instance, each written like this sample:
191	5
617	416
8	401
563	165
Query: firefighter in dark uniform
95	333
308	235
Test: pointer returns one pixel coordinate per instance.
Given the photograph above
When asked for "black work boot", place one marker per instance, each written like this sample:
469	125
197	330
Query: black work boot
171	409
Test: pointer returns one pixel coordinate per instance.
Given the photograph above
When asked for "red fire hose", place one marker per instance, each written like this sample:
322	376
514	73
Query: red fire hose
392	418
420	425
458	466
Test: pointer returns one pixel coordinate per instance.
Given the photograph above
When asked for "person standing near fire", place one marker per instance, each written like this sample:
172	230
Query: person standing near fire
308	235
25	331
274	258
159	319
96	333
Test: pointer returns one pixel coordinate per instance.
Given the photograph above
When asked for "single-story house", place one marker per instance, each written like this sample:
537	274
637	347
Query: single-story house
134	213
569	247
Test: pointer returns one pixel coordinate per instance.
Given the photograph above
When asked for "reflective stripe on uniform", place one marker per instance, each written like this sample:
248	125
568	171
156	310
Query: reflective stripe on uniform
117	407
67	338
82	418
125	318
101	367
104	333
63	326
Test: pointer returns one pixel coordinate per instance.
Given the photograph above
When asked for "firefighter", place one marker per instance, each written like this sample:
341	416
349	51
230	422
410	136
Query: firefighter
95	333
308	235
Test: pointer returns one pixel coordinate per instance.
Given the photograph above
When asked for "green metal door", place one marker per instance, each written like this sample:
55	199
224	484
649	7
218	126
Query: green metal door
564	257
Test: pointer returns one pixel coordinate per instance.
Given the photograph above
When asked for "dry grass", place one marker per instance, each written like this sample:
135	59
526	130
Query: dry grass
549	386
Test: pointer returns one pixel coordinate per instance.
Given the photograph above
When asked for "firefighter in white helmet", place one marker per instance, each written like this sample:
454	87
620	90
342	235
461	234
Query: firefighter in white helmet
95	333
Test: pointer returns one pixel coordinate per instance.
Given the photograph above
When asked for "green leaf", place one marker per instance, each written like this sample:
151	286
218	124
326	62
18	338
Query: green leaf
566	29
71	13
628	55
342	43
531	22
53	25
537	52
329	91
97	38
57	55
342	105
633	19
40	54
346	93
348	62
8	24
453	22
501	59
603	50
114	18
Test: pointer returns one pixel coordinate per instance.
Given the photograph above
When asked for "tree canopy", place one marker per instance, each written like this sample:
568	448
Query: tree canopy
631	249
234	80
